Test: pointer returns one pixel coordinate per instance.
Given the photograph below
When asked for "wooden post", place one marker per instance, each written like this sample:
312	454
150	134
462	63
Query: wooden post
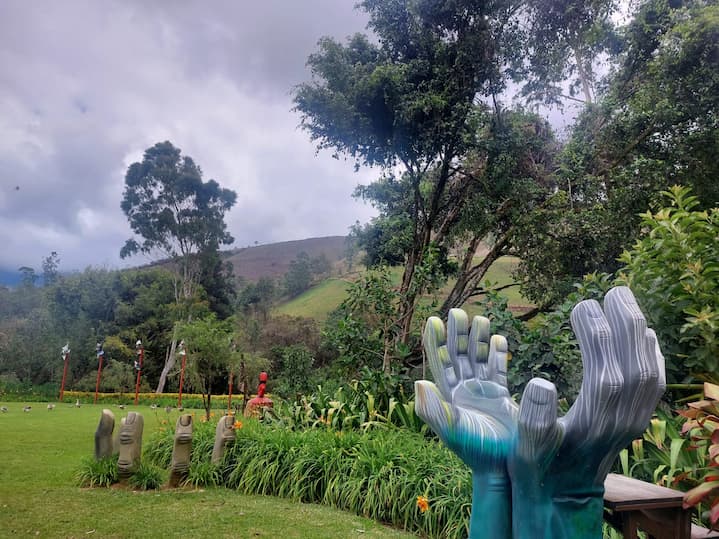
65	359
138	368
100	355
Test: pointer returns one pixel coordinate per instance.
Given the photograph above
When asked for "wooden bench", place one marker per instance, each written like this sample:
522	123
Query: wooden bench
631	505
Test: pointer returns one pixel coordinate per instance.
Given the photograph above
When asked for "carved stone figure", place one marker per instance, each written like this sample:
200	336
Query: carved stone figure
103	435
130	439
182	450
224	434
535	475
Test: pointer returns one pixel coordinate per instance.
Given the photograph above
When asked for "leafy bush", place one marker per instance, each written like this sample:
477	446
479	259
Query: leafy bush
147	477
674	272
97	473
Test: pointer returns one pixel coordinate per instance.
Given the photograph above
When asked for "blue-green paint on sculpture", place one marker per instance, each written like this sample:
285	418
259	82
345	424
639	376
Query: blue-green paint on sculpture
535	475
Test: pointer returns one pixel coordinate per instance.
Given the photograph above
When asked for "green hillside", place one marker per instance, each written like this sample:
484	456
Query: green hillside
326	296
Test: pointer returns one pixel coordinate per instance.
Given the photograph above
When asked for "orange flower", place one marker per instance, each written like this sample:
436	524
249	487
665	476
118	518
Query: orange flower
237	424
422	503
212	414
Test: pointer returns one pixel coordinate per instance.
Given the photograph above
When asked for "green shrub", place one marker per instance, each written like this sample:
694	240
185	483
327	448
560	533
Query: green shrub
674	272
97	473
147	477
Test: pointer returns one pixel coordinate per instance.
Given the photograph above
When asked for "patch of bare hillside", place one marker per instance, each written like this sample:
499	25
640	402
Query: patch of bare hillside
273	259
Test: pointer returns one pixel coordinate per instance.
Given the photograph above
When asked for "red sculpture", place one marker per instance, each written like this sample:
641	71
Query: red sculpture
255	405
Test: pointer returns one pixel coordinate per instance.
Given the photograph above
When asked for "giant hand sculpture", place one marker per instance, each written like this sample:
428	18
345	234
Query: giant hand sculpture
556	467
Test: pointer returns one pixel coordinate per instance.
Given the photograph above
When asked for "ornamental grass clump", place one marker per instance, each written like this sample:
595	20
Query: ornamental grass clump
97	473
377	473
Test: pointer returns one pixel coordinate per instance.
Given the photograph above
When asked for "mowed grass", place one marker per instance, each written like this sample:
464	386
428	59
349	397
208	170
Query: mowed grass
41	450
322	299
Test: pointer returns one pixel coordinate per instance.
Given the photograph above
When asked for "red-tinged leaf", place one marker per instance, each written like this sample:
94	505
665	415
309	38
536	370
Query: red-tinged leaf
689	414
689	425
714	513
697	494
713	451
711	391
711	478
715	437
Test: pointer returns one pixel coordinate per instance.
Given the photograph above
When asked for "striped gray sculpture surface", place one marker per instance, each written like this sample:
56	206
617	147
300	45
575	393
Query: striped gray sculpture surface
536	475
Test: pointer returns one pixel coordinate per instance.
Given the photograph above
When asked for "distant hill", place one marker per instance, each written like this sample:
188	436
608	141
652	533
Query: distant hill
273	259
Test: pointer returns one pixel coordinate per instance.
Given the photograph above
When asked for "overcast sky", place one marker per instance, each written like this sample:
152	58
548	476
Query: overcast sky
86	87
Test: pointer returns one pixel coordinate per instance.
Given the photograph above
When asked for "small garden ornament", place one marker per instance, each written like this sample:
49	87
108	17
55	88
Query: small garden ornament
535	475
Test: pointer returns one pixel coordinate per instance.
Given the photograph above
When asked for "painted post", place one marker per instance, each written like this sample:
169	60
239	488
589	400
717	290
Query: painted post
100	355
138	367
65	359
229	397
183	353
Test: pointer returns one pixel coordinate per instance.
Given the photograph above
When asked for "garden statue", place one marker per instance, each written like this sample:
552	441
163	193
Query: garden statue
130	441
535	475
255	404
181	451
224	434
103	435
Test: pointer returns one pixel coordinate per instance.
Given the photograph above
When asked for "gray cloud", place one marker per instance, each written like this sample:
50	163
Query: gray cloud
85	87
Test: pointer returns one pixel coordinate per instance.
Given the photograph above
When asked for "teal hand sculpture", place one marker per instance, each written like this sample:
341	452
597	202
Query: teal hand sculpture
471	410
553	468
558	466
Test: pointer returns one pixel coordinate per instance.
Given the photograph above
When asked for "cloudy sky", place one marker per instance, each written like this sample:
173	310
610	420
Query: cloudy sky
86	87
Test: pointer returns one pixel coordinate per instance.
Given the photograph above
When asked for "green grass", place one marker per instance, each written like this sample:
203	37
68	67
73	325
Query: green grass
322	299
317	302
40	452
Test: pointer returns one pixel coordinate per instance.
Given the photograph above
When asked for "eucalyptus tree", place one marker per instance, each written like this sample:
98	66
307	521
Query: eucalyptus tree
178	216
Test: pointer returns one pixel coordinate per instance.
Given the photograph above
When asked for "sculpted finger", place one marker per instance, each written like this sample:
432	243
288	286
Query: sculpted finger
498	352
539	433
658	358
602	380
457	342
629	335
440	363
432	408
478	348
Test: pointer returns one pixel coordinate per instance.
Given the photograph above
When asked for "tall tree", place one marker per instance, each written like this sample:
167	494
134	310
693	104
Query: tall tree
177	215
408	100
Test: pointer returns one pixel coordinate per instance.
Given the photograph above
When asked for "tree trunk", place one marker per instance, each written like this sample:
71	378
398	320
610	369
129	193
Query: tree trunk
169	364
470	279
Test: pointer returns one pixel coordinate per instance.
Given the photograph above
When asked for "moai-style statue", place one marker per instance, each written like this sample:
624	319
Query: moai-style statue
181	451
255	404
536	476
130	439
224	434
103	435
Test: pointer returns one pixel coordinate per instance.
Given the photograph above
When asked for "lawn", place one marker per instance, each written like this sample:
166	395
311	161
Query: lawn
40	451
